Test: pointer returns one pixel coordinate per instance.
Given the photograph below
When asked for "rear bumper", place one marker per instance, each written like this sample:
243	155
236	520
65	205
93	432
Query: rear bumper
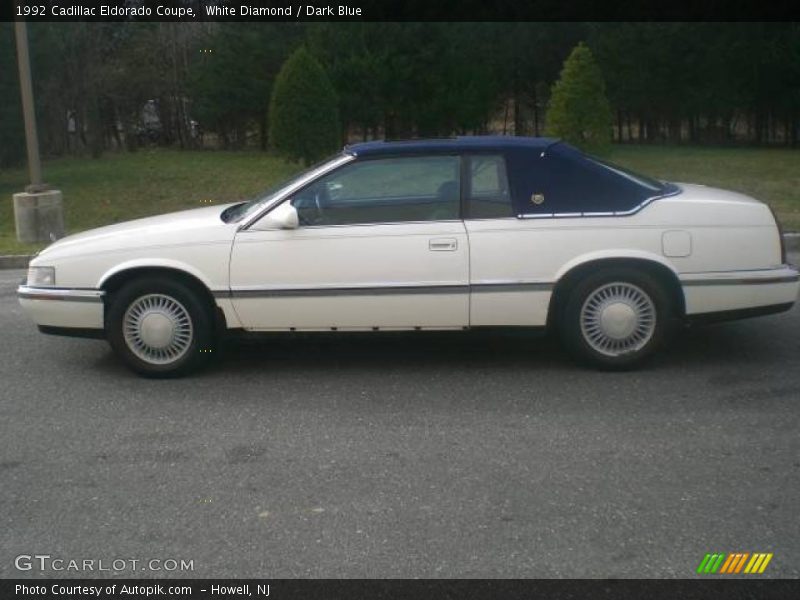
63	308
734	315
768	290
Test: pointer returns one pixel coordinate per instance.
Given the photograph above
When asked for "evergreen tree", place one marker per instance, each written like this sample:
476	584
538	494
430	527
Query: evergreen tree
231	79
303	112
579	112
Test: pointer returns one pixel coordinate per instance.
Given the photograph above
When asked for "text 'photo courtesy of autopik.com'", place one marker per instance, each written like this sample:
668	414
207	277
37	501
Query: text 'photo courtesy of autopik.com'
358	300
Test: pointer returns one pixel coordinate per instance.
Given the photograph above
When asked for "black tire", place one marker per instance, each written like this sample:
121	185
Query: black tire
596	335
191	316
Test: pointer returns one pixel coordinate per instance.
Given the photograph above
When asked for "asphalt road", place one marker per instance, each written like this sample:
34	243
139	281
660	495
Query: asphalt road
447	455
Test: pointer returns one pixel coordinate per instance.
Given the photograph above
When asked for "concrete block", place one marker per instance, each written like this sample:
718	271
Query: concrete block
39	217
792	241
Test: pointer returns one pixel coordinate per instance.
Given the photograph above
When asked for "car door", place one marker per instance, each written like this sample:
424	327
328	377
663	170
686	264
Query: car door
504	282
380	245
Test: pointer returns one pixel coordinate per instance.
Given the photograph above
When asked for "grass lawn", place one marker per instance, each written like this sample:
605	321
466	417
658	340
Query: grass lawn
770	175
125	186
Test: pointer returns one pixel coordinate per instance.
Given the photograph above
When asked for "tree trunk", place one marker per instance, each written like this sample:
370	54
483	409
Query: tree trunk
772	132
630	127
786	132
95	128
262	132
519	126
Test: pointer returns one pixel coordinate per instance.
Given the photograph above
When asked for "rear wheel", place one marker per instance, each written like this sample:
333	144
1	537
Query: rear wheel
616	318
160	327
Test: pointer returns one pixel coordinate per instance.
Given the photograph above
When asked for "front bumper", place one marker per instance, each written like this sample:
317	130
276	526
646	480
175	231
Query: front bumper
63	307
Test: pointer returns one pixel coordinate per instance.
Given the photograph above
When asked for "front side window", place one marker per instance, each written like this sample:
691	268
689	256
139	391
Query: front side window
488	196
239	212
389	190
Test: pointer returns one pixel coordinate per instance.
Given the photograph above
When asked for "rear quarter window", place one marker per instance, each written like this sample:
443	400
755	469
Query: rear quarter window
563	181
487	192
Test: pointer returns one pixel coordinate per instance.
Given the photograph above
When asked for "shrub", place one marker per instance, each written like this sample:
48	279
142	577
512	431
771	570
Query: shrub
579	112
303	111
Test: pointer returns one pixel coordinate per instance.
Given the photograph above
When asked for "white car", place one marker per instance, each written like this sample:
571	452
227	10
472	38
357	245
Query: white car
438	234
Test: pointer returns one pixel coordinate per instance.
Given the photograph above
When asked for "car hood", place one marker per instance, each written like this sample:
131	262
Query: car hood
199	225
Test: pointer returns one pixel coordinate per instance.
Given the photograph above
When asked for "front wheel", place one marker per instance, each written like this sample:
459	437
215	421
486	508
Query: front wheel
159	327
617	318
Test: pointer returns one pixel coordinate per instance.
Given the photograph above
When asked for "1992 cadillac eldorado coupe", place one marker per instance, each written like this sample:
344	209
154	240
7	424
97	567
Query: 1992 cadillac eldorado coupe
427	234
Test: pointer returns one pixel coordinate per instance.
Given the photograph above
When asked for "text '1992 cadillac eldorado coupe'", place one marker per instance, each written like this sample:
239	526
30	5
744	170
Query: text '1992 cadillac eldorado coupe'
418	235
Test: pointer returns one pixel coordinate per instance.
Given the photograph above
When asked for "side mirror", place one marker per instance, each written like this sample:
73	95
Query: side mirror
283	216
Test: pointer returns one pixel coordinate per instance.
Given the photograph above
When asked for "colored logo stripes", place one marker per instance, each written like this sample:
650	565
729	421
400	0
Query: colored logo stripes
734	562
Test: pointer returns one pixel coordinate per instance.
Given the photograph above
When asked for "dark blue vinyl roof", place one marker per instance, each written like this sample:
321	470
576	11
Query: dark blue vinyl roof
569	181
455	144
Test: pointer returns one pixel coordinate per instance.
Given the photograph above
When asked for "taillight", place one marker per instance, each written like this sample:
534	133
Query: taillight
780	236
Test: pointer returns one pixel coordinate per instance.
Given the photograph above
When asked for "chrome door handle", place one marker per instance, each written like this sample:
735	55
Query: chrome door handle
442	244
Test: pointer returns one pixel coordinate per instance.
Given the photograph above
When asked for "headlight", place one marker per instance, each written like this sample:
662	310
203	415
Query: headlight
41	276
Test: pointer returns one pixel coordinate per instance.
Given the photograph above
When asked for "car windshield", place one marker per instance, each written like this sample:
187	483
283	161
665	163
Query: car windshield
237	212
648	182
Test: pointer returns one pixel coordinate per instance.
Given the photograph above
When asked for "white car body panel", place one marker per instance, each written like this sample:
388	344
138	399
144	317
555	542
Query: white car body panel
195	241
272	271
722	246
737	290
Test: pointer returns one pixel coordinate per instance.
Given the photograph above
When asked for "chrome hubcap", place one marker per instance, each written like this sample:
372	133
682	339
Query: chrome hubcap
157	328
618	318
